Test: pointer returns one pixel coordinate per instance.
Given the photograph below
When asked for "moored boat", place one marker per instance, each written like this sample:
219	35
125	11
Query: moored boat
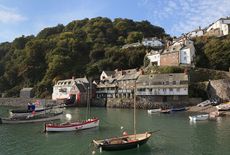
199	117
123	142
72	126
178	109
151	111
24	113
32	119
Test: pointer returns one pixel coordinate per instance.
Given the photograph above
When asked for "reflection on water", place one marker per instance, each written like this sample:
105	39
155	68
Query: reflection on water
177	135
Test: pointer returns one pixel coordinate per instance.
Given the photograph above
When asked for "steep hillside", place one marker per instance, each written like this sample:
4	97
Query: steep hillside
82	47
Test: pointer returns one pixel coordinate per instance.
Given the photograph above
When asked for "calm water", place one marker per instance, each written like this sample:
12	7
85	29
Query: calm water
177	135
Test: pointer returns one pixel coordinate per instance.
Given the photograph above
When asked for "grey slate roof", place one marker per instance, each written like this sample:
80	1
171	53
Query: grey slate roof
163	77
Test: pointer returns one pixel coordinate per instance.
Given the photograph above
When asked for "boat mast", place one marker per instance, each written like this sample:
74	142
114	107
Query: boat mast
134	110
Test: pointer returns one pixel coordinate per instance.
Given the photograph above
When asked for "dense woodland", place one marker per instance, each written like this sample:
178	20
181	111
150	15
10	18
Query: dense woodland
82	47
85	48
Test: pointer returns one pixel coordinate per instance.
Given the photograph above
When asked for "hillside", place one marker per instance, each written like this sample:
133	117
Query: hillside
213	52
82	47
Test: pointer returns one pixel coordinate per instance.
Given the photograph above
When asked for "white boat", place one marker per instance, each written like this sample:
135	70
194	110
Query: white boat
150	111
78	125
199	117
204	103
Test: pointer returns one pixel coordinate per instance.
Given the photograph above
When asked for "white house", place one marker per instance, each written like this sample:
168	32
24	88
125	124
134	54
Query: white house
222	24
196	33
152	42
107	75
64	89
154	57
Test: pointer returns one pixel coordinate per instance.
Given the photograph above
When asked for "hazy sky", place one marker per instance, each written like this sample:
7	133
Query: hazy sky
25	17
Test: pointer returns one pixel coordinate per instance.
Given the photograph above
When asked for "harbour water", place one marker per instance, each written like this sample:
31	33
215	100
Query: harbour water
177	136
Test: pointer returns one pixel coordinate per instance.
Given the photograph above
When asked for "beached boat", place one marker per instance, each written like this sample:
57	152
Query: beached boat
72	126
123	142
199	117
126	141
204	103
178	109
151	111
32	119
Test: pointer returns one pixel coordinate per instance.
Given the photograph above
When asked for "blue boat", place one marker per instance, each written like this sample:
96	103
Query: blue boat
178	109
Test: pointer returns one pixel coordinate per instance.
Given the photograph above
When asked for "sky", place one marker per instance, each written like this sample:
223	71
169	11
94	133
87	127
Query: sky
28	17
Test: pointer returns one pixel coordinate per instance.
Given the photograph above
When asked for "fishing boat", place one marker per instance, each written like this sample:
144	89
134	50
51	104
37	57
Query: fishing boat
32	119
123	142
151	111
199	117
126	141
72	126
75	125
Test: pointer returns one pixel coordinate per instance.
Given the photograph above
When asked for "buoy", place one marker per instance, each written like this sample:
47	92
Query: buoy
93	152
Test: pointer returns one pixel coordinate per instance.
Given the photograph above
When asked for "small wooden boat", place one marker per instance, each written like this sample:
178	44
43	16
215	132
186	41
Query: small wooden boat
151	111
73	126
123	142
32	119
199	117
178	109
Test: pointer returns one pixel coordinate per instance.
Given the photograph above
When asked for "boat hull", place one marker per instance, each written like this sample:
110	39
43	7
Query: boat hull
90	123
133	143
151	111
31	120
178	109
199	117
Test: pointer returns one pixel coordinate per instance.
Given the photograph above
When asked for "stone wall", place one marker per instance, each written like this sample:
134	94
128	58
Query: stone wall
22	102
169	59
149	102
220	88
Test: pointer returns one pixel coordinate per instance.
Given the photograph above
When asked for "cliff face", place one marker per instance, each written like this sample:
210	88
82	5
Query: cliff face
220	88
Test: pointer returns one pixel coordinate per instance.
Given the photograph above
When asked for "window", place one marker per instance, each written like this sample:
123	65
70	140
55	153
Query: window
185	58
170	89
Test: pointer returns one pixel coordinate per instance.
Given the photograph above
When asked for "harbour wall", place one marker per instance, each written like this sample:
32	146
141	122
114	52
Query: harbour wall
22	102
149	102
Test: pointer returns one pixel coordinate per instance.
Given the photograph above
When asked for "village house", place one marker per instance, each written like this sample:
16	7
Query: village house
152	42
120	84
171	87
196	33
154	57
180	52
77	89
219	28
147	42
